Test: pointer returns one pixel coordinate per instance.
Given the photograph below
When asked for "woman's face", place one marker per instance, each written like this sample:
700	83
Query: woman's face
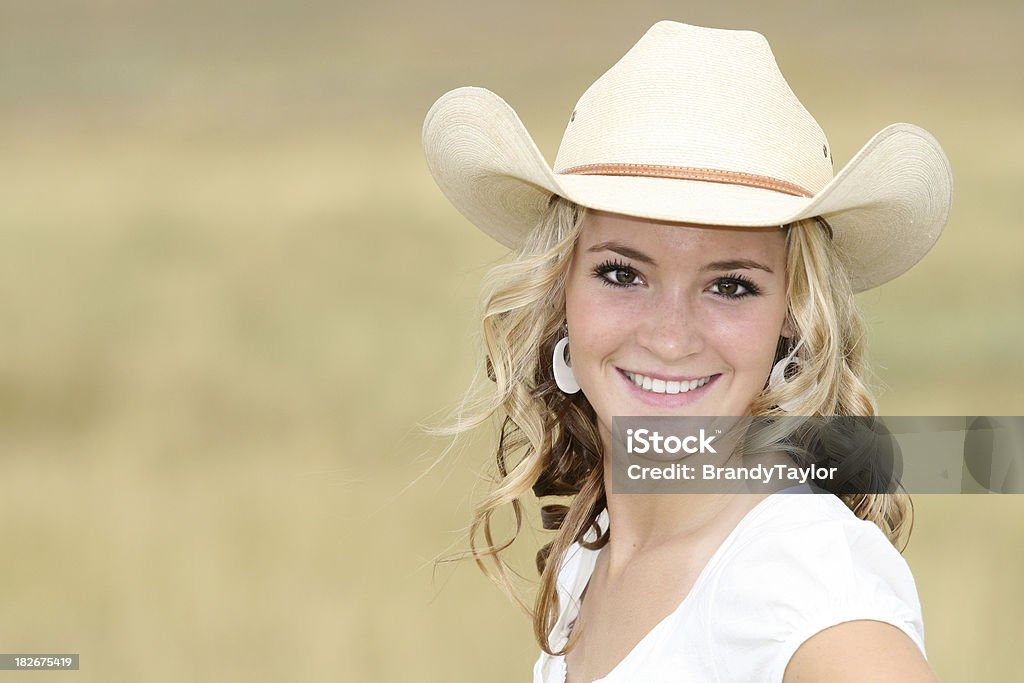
671	319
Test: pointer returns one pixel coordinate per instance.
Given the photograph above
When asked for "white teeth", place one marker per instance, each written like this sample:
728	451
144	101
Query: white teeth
660	386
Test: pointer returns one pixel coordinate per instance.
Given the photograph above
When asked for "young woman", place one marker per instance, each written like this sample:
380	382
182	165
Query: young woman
691	253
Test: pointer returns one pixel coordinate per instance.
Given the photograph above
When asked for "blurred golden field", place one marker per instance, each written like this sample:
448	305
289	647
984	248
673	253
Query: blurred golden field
229	291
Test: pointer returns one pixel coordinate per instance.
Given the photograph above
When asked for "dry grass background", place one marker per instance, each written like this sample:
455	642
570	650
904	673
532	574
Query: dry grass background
229	290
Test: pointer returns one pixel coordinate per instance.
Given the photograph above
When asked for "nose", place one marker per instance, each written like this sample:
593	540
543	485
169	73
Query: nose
671	328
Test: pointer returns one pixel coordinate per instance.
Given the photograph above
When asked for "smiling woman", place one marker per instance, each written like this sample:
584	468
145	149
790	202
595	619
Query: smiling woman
670	304
683	260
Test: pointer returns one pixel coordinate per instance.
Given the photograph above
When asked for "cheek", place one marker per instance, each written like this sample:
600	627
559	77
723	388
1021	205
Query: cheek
748	338
600	323
589	314
588	326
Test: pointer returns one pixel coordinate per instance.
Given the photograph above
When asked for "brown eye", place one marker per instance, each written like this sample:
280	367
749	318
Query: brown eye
618	274
625	277
734	288
728	288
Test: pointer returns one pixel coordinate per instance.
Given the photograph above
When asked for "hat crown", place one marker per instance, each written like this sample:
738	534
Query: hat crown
698	98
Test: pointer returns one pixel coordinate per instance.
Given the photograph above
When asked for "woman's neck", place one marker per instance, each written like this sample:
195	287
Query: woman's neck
648	521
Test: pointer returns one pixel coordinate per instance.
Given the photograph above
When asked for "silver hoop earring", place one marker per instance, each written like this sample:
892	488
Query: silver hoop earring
564	377
777	380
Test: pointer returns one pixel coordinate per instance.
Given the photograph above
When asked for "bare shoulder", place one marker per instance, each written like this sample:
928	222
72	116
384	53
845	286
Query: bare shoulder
859	651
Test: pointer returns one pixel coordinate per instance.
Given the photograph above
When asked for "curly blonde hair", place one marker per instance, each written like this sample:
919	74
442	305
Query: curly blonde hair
549	442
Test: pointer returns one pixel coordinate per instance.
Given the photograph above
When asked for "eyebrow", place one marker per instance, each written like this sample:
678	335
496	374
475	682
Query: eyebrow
637	255
624	250
737	264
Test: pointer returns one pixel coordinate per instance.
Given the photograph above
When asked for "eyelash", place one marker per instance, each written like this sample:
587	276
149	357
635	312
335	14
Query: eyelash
610	267
744	282
601	271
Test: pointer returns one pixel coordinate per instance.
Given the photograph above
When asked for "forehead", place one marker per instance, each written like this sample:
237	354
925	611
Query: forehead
681	241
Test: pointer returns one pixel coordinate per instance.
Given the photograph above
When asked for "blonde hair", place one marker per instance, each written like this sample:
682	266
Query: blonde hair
548	442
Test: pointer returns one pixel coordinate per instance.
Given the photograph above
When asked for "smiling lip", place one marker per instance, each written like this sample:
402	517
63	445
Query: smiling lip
666	390
661	384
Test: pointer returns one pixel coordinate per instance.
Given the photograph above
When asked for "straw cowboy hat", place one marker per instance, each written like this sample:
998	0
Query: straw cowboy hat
695	125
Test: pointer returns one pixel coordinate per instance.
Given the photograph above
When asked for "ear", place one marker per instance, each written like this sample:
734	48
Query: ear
788	328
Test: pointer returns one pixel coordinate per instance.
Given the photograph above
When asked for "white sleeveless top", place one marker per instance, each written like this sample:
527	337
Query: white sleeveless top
793	566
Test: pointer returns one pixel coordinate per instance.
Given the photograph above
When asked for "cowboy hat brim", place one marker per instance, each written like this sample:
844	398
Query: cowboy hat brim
887	206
